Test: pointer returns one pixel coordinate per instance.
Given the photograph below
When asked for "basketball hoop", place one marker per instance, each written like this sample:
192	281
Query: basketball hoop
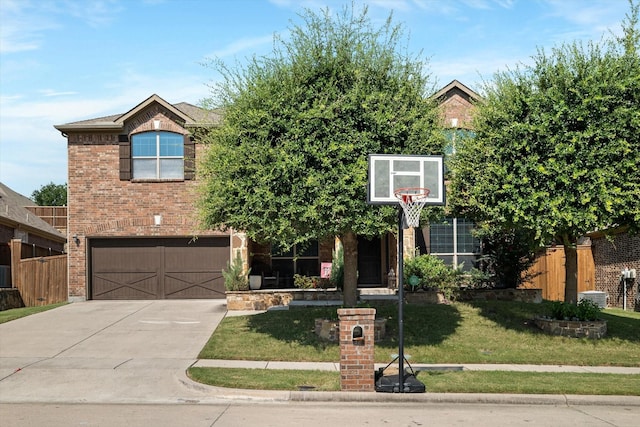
412	200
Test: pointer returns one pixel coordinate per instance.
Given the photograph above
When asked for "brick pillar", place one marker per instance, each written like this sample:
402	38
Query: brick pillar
356	349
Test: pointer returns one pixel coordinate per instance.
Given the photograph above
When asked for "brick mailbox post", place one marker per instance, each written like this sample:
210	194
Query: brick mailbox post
356	349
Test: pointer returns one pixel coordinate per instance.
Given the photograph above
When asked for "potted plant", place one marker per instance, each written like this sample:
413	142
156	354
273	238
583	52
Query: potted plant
235	279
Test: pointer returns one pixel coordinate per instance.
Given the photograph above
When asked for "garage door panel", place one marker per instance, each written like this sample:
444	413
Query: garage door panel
125	285
194	285
194	258
158	268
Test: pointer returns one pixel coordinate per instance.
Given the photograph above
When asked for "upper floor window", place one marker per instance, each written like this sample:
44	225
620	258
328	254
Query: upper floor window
157	155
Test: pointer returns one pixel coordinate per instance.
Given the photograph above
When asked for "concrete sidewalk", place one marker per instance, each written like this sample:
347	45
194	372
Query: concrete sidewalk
329	366
139	352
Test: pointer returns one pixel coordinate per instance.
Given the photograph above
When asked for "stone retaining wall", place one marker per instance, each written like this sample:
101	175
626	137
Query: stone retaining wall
425	297
573	328
267	298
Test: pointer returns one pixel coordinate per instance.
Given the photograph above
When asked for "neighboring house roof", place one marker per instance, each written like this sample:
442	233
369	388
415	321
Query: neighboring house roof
14	214
191	115
454	86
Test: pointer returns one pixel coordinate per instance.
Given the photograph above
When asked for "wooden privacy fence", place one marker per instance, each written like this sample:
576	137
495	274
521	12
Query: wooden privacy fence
41	280
548	273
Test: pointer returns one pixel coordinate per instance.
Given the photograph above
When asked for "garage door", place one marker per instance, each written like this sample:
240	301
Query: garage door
169	268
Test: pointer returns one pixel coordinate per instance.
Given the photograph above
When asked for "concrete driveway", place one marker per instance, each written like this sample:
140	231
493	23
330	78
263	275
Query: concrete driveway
107	351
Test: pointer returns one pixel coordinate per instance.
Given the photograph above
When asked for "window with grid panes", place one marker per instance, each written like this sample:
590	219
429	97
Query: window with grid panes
452	241
157	155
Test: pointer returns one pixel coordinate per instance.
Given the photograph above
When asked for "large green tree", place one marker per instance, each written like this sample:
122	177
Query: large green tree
557	145
289	162
51	195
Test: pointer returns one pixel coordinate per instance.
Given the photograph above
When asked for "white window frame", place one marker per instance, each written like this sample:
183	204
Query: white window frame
158	158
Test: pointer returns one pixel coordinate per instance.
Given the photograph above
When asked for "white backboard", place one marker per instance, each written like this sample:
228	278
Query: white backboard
388	172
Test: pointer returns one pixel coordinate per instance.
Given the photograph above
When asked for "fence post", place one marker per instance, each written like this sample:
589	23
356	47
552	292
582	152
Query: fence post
16	254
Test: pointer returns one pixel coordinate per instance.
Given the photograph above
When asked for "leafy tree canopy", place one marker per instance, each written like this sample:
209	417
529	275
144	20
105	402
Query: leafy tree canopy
289	162
557	144
51	195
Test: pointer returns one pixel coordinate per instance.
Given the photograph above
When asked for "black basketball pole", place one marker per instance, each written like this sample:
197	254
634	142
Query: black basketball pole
400	282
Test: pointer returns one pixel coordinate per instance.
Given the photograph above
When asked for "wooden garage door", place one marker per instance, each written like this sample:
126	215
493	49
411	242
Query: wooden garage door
170	268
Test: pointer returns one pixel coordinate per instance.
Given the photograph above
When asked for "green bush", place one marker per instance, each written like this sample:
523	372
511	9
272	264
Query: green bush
234	277
431	272
588	310
507	254
585	310
474	279
305	282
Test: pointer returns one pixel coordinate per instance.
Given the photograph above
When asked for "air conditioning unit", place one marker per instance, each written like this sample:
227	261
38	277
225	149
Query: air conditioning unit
598	297
5	276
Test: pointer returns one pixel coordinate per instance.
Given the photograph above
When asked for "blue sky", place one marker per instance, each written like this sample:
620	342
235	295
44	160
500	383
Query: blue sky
67	60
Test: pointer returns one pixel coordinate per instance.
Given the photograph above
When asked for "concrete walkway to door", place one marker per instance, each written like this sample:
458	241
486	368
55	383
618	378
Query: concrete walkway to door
107	351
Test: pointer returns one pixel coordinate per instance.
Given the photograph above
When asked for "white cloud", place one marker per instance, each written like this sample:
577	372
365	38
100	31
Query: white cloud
22	26
242	45
25	24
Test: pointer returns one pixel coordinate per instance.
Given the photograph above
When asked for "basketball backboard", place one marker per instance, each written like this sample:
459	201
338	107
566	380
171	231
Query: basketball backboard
388	172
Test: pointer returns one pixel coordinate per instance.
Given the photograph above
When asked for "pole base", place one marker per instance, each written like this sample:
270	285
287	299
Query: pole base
389	383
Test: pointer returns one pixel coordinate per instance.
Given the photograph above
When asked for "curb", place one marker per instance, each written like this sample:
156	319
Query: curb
374	397
467	398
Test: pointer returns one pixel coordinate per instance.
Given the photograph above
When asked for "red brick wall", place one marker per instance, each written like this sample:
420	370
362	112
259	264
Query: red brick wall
357	356
611	257
457	105
100	204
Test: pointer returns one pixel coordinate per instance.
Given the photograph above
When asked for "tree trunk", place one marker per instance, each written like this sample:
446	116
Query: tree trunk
571	273
350	247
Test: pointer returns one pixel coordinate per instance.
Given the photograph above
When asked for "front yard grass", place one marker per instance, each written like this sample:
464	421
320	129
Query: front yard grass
479	332
16	313
435	382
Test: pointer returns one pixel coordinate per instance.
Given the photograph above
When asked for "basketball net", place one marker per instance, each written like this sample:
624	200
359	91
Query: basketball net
412	201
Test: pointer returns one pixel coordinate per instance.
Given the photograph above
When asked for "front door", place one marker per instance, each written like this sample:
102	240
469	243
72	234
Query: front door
369	261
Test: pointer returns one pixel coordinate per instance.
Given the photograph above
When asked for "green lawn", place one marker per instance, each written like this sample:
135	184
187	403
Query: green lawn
16	313
481	332
435	382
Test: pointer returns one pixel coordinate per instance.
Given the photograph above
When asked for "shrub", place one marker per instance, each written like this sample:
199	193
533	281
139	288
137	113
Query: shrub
432	272
309	282
234	277
474	279
507	254
585	310
588	310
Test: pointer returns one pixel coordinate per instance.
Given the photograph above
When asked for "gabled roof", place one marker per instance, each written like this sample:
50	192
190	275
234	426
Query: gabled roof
455	85
14	214
191	115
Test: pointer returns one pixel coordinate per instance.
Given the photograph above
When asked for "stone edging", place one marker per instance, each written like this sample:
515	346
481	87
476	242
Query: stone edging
573	328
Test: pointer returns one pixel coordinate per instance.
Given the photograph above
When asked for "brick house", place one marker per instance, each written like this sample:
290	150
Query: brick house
17	222
131	222
611	256
131	192
131	217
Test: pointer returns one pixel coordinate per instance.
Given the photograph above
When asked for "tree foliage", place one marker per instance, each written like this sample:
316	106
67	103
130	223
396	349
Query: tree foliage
51	195
557	143
289	162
